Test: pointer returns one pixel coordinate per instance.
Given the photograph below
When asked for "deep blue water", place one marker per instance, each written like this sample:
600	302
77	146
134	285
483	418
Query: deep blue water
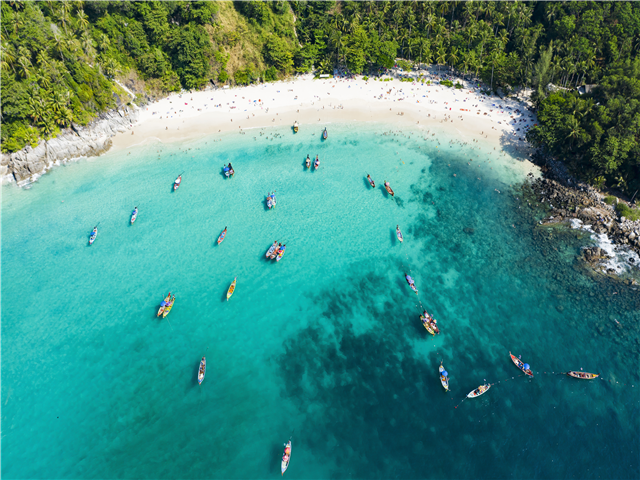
326	345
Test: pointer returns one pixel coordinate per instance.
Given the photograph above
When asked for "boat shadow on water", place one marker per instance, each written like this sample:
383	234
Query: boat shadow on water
394	237
194	375
275	458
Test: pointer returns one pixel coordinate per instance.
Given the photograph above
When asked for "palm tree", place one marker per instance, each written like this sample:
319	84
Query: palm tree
8	56
484	36
24	60
411	46
88	45
441	57
83	21
103	42
430	21
453	57
454	4
493	59
574	129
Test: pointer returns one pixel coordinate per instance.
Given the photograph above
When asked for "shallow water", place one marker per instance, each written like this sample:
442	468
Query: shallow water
325	345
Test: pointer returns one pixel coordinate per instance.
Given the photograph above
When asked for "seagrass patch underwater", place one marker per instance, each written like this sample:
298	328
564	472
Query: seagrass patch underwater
324	346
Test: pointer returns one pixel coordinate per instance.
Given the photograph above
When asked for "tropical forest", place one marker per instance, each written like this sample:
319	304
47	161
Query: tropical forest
64	62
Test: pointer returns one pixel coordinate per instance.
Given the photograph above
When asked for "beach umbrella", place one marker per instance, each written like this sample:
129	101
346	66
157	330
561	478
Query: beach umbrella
526	366
444	373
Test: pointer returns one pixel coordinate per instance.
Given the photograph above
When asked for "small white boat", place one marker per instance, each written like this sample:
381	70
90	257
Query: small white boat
444	377
94	234
202	370
272	249
479	391
286	457
271	200
134	215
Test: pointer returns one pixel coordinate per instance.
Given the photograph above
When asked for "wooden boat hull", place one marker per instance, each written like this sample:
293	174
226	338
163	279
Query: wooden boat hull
202	370
443	380
232	288
162	308
316	164
413	287
221	237
177	183
520	364
399	235
325	134
271	249
371	182
389	190
308	163
168	307
583	375
481	390
426	324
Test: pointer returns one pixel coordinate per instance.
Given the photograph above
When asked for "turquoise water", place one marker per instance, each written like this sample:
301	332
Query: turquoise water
325	345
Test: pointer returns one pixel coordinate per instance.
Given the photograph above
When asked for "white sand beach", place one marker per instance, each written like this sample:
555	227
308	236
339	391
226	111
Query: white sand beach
316	103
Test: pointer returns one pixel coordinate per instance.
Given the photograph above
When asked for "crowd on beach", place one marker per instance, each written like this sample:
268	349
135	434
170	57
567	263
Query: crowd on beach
423	99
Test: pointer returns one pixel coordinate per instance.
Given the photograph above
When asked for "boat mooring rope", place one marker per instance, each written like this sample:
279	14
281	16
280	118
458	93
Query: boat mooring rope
543	373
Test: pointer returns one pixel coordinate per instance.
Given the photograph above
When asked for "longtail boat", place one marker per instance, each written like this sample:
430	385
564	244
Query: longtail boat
164	304
399	233
94	234
371	182
134	215
295	127
286	457
232	288
583	375
168	307
176	184
275	252
444	377
427	324
387	186
522	366
325	134
272	249
479	391
202	370
222	235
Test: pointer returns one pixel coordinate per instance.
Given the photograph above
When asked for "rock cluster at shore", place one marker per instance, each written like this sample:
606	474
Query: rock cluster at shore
29	163
570	201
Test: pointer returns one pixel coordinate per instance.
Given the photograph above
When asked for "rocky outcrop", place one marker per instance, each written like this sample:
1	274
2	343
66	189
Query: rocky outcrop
28	164
578	201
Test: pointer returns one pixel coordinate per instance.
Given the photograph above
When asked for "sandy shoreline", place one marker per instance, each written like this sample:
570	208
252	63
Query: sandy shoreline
464	114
